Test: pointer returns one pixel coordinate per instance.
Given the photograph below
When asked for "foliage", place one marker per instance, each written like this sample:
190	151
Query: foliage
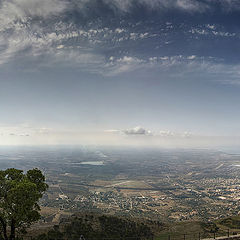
210	227
19	195
231	222
98	227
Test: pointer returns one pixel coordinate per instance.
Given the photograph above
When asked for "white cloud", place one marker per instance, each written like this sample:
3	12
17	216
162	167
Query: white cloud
137	131
124	64
24	135
140	131
11	10
211	30
223	34
60	46
191	57
129	60
187	5
112	131
22	42
42	130
119	30
191	5
181	64
167	133
20	37
211	26
178	65
23	130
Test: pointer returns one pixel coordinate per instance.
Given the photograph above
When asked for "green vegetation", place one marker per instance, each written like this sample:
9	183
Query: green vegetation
19	195
98	226
231	222
93	226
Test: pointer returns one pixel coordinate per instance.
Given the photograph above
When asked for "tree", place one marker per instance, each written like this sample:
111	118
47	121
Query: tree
19	196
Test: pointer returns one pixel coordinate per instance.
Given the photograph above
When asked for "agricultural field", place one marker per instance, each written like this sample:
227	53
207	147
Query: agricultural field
170	185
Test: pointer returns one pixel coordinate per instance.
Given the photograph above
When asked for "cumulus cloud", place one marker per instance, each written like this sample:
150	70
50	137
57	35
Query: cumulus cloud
131	131
137	131
140	131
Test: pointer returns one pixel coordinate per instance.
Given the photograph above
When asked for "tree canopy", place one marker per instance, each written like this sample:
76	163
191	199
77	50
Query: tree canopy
19	196
97	226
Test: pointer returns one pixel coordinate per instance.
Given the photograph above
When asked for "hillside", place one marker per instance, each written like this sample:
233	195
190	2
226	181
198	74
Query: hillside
93	226
98	226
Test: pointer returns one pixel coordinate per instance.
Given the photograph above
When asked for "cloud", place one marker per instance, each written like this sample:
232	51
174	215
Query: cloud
12	10
46	7
124	64
140	131
168	133
42	130
24	135
112	131
229	5
44	34
191	5
213	69
19	134
23	130
185	5
137	131
178	63
210	31
128	5
132	131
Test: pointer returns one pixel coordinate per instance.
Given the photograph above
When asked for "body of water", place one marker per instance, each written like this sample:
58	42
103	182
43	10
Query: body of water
95	163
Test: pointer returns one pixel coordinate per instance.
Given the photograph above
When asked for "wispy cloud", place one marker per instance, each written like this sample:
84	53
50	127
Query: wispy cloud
23	130
128	5
185	5
44	34
179	63
23	10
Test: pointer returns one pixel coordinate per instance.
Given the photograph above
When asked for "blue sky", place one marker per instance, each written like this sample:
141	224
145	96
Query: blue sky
159	72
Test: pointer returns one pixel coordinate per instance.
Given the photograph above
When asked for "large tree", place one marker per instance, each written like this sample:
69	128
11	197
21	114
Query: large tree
19	196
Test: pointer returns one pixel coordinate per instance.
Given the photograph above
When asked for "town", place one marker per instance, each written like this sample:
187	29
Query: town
170	185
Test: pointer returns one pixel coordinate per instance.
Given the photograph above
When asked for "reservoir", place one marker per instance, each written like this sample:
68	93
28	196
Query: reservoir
95	163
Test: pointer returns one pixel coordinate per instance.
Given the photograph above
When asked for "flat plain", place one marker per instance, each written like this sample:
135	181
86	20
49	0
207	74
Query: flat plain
167	184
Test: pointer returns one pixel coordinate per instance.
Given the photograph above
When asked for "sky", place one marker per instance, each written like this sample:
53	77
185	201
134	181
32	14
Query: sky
122	72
